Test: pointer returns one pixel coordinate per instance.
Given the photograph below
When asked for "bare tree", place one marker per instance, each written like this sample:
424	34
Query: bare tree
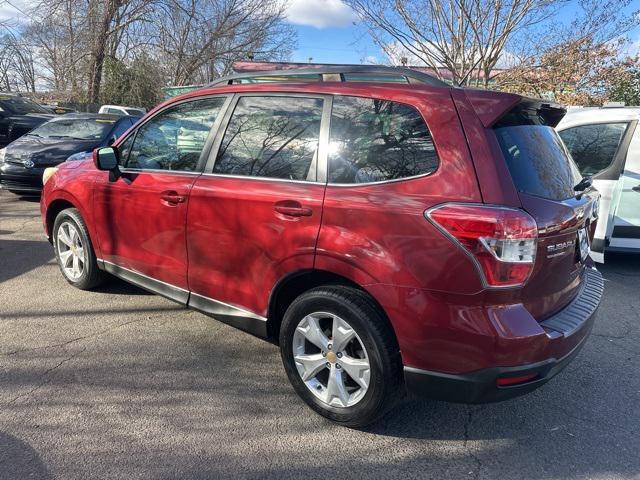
17	64
197	40
462	37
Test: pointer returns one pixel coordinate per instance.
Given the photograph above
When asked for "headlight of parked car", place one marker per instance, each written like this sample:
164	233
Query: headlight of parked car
48	173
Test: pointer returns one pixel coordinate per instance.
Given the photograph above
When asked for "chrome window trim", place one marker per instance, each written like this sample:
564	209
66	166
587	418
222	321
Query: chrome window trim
159	170
382	182
267	179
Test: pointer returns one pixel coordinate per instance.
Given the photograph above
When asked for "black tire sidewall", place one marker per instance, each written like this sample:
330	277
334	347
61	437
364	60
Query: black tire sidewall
87	279
371	406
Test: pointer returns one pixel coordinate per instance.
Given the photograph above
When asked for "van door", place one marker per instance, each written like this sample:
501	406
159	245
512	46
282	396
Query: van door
599	150
625	233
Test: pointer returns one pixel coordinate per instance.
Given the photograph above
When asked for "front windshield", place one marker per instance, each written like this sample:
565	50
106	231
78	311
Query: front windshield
134	112
77	128
20	105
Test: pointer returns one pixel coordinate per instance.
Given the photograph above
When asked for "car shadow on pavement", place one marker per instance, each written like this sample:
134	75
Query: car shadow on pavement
18	460
21	256
115	286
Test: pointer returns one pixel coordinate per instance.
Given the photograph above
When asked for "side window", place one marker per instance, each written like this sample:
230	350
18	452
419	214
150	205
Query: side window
173	139
377	140
124	148
274	137
121	127
593	147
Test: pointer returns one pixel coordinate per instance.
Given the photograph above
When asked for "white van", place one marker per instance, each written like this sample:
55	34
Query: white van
120	110
605	143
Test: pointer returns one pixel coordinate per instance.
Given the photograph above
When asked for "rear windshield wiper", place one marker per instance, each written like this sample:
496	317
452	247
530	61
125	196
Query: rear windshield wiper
583	184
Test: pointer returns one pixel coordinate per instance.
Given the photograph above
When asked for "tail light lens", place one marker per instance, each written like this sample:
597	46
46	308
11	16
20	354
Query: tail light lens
501	240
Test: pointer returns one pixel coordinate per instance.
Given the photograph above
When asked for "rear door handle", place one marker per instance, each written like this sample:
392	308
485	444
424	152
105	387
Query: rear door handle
636	188
172	197
292	208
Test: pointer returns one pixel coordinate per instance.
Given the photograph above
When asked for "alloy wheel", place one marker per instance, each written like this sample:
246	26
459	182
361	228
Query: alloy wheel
331	359
71	251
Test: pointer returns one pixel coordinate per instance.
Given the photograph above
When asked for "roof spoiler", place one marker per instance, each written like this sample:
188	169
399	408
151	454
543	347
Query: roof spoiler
498	109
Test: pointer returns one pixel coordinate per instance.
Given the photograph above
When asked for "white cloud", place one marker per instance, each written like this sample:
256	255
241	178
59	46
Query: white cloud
320	13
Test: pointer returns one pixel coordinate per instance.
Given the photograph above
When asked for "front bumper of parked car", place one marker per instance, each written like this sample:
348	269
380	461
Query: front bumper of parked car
19	178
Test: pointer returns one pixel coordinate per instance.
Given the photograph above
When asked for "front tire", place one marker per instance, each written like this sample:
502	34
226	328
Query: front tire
341	355
74	251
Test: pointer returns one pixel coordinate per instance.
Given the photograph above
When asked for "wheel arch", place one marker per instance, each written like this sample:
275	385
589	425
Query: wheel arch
291	286
53	209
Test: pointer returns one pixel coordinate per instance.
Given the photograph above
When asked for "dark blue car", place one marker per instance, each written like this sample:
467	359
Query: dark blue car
72	136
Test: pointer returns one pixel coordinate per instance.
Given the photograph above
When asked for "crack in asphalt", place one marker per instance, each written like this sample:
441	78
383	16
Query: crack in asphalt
77	339
45	374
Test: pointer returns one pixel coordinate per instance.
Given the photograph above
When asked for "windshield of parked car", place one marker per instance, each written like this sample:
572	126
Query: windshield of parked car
75	128
136	112
20	105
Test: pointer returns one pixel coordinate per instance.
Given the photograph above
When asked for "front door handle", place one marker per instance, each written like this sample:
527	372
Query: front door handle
636	188
292	208
172	197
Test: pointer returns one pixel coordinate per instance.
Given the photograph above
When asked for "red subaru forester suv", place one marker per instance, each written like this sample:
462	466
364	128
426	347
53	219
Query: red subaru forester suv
389	237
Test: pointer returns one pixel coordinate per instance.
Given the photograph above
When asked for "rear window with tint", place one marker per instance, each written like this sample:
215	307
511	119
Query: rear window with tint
377	140
538	161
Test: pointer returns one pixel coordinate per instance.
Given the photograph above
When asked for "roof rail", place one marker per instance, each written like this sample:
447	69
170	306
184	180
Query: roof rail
333	73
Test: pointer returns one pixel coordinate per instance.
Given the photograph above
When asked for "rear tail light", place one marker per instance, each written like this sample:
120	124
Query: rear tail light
502	241
509	381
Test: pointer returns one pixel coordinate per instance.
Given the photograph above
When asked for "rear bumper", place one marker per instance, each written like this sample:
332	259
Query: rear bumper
570	327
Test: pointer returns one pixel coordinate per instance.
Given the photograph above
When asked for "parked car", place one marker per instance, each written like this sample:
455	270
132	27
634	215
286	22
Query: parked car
22	162
58	110
18	115
605	143
388	237
119	110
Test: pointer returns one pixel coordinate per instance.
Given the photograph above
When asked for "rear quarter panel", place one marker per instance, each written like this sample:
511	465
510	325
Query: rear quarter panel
378	234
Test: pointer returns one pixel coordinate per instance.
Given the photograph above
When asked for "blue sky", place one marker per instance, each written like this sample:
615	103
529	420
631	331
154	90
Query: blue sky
326	32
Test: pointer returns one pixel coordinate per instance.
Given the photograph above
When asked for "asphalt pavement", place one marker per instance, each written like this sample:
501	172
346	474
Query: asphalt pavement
122	384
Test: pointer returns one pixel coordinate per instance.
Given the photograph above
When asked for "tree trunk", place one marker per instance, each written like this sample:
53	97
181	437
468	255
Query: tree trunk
102	32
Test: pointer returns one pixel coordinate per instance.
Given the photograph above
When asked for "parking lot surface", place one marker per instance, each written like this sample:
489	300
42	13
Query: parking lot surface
122	384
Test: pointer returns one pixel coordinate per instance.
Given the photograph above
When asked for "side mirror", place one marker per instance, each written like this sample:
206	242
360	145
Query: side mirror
106	159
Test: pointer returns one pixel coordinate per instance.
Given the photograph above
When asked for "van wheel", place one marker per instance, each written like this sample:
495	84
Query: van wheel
74	252
341	355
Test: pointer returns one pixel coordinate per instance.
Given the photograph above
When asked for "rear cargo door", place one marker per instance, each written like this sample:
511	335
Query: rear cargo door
545	177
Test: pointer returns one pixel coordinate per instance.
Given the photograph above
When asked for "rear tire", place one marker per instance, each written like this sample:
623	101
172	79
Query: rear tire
360	379
74	251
